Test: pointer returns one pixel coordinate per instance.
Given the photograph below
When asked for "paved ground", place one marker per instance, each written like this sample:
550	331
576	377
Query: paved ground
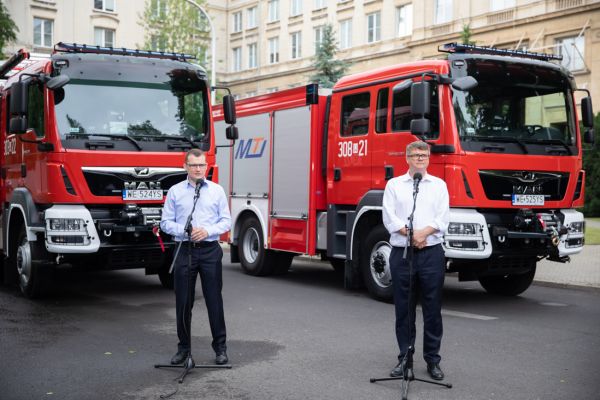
583	270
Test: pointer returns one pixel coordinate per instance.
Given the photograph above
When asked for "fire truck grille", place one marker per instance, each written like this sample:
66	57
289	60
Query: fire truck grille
501	185
109	183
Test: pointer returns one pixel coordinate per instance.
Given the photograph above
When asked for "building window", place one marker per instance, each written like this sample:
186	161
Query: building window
319	31
296	45
273	50
159	8
43	30
237	59
443	11
572	50
273	10
251	93
497	5
271	90
295	7
373	27
158	43
237	22
104	5
346	34
404	17
252	55
104	37
320	4
251	14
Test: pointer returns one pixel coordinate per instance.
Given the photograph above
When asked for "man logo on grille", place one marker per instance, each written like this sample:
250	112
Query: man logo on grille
142	171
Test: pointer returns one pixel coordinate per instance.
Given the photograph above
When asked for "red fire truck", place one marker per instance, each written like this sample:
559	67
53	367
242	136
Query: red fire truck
308	172
93	138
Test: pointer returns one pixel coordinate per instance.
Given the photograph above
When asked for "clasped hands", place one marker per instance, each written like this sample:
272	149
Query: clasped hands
419	237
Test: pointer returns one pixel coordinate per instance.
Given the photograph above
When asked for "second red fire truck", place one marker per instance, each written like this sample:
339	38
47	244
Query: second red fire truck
308	173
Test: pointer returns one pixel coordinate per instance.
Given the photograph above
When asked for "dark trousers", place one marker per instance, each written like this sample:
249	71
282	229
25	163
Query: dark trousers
206	261
427	284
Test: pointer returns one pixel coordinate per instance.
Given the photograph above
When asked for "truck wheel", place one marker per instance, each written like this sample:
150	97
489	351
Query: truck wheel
32	276
510	284
255	259
375	264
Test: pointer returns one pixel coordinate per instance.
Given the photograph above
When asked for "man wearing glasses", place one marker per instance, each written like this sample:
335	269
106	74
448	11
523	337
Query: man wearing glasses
211	218
430	221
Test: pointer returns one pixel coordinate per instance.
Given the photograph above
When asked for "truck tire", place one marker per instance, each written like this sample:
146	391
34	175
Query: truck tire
255	259
26	259
375	264
510	284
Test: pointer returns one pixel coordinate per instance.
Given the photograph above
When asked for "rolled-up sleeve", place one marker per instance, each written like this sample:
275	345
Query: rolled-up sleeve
442	212
391	221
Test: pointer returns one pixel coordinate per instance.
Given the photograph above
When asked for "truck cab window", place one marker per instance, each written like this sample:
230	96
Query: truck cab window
35	117
381	116
401	110
355	114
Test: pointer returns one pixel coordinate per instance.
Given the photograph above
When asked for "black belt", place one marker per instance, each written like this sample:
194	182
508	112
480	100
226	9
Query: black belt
198	245
417	250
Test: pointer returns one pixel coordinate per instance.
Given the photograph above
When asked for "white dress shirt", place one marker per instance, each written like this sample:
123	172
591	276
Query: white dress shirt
433	208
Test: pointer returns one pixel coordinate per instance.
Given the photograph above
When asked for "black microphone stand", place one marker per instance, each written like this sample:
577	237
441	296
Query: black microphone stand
409	352
189	363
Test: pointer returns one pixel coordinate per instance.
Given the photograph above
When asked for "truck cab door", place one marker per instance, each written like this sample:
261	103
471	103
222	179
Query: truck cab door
392	133
349	170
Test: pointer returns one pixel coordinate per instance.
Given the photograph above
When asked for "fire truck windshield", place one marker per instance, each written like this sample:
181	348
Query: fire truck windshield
153	105
522	106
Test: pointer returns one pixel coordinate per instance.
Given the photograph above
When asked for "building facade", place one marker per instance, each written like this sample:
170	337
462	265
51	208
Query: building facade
267	45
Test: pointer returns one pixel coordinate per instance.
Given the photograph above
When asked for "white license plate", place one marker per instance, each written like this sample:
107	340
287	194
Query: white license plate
143	194
527	199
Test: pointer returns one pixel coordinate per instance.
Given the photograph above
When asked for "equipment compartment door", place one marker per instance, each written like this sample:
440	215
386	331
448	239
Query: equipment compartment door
290	179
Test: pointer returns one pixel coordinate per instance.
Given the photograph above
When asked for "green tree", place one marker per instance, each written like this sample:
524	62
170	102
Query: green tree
466	34
591	165
176	26
8	28
328	69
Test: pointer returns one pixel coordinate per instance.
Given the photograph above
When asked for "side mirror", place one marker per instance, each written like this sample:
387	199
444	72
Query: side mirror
588	136
420	98
229	109
465	83
587	113
58	82
231	133
420	126
18	98
18	124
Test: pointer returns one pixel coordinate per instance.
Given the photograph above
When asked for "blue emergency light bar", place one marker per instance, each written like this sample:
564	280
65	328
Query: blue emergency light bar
84	48
472	49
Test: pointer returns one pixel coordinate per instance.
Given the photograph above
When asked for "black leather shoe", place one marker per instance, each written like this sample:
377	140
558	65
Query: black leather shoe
179	357
221	358
435	371
401	370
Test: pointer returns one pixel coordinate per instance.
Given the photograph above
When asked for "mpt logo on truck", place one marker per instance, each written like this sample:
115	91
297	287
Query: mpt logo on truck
251	148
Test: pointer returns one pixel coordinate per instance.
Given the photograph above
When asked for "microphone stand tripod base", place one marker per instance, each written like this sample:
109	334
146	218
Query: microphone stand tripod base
189	364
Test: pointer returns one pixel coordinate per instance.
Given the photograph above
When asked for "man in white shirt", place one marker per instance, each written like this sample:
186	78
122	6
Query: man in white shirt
430	221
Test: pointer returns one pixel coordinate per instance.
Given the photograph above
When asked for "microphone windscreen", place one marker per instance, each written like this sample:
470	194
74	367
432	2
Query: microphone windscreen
417	176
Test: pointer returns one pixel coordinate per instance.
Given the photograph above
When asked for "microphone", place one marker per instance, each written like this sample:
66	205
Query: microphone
416	180
199	183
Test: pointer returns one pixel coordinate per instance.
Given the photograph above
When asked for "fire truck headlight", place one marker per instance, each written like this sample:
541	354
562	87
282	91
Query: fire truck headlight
66	225
459	228
577	227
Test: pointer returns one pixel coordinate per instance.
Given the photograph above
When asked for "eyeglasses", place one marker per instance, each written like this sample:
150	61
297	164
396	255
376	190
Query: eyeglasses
418	156
196	165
